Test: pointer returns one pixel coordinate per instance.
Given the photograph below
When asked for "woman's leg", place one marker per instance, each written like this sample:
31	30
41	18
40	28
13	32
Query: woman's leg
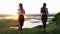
19	26
44	26
44	20
22	22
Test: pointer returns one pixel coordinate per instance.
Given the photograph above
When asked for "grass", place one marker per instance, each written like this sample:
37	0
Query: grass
5	24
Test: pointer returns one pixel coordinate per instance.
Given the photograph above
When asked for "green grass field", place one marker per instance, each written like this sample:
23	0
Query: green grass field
51	28
5	24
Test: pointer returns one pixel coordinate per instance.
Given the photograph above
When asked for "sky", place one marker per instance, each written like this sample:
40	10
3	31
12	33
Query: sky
30	6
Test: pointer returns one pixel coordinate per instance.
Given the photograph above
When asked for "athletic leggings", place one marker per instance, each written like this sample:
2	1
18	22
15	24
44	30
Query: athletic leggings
21	20
44	19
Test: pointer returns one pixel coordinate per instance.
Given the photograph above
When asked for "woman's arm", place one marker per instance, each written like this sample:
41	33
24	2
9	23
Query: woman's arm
18	11
24	12
47	11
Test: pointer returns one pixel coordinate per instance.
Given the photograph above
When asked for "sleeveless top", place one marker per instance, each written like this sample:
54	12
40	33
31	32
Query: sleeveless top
44	10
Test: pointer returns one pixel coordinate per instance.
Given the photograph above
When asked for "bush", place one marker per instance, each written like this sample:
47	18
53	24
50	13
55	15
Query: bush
56	19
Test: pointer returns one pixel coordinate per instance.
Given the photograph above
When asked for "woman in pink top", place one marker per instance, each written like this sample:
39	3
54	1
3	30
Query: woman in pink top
21	13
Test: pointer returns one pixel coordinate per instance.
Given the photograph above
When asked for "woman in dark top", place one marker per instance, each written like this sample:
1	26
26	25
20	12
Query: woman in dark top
44	12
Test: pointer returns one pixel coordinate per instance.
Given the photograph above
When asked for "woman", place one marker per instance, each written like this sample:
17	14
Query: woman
44	12
21	13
